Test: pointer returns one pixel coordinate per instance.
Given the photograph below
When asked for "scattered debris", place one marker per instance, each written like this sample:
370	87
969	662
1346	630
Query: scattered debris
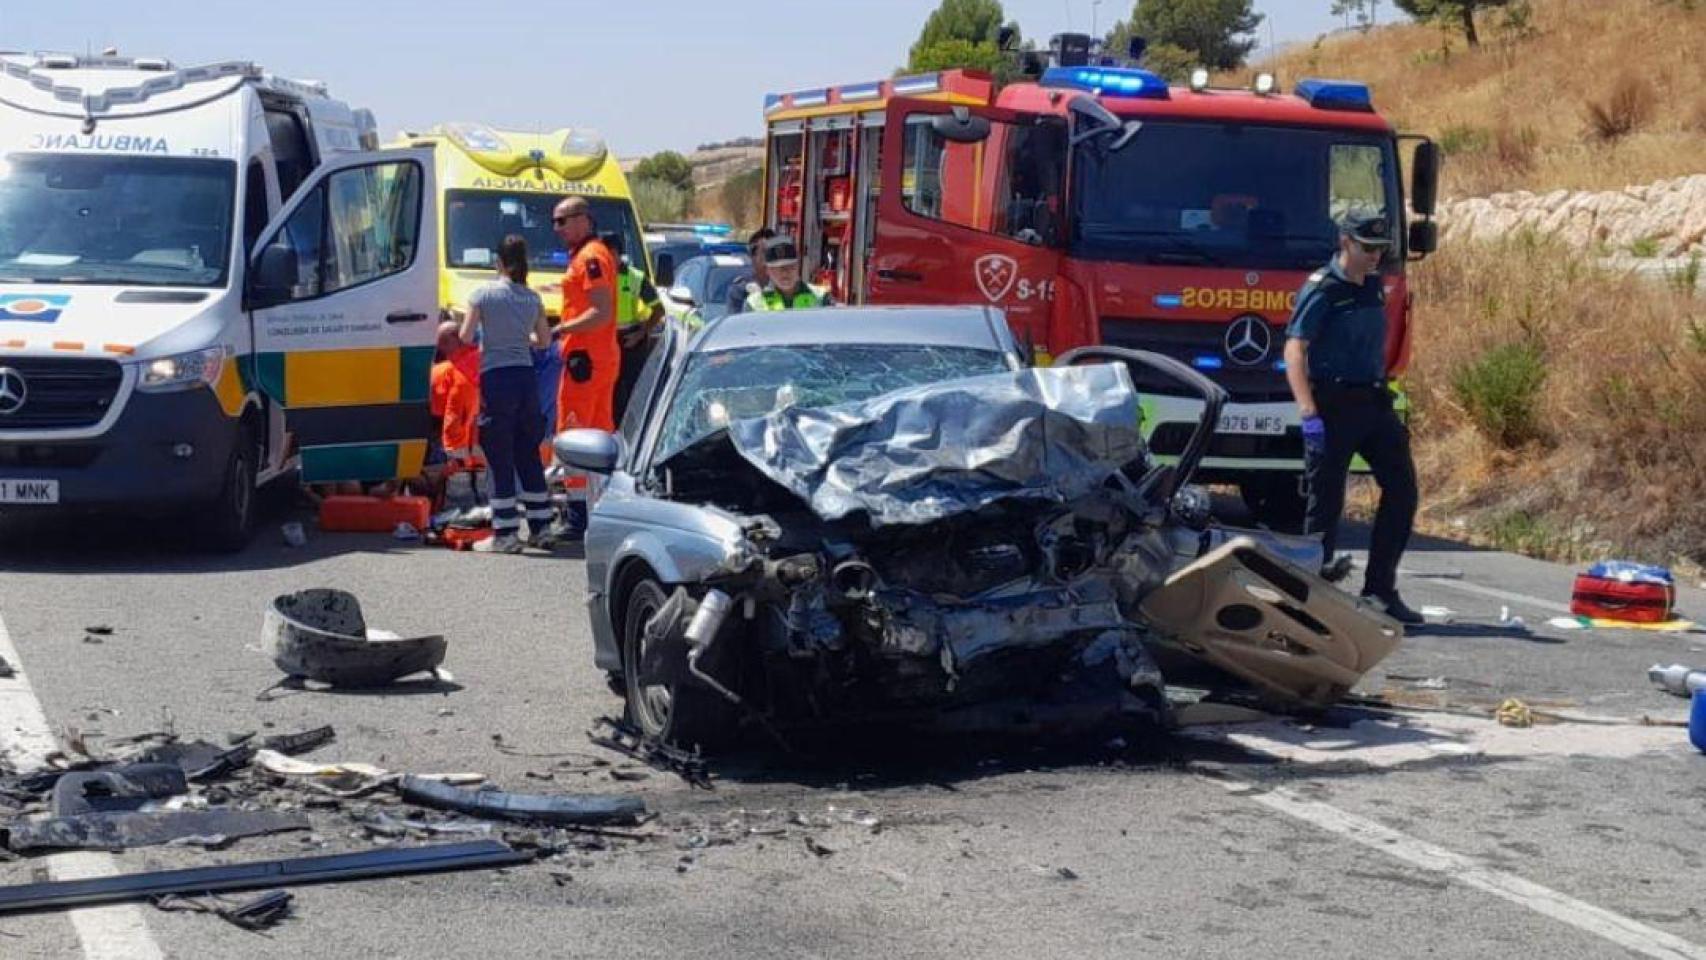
1677	679
1066	873
320	635
99	630
292	744
626	739
7	671
1510	622
1569	623
120	831
563	810
294	535
384	824
199	759
817	847
119	789
405	531
1439	614
392	861
347	780
253	915
1514	713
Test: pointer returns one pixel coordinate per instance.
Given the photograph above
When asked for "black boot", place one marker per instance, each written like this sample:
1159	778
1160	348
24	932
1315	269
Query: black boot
1395	608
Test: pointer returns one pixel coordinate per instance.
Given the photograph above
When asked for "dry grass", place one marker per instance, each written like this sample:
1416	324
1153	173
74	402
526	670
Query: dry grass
1619	465
1540	87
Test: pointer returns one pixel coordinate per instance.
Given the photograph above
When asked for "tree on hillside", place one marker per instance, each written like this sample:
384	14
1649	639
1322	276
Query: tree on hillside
1460	13
1217	34
1366	12
743	196
963	34
669	167
659	201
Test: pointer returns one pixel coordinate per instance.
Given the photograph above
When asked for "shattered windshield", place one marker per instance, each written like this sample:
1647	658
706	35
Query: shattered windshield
727	385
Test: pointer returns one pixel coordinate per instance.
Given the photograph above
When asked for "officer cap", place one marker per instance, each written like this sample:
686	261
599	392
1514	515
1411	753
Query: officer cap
1366	226
781	252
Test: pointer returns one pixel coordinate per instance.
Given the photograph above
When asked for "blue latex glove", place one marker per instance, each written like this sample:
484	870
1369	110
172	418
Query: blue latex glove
1314	436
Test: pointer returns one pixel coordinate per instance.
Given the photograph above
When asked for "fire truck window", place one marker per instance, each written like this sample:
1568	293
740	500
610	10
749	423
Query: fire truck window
1010	184
1357	178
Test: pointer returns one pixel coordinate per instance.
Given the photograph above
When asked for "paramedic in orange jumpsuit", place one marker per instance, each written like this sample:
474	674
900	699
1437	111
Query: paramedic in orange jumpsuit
592	358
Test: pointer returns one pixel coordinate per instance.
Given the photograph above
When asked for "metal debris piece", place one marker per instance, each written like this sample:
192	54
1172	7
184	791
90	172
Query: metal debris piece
291	744
199	759
123	788
320	635
346	780
624	738
99	630
120	831
817	847
7	671
561	810
390	861
253	915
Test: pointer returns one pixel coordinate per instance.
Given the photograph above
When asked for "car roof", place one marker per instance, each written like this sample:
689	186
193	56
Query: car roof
981	328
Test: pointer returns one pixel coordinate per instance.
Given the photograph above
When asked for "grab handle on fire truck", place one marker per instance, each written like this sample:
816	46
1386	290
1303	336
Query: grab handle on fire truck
900	276
1213	396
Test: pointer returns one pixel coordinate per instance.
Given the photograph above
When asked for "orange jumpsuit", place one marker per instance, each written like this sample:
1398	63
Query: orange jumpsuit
456	400
589	402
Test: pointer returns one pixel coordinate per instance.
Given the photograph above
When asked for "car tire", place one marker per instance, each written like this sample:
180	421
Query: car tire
229	522
680	712
1275	500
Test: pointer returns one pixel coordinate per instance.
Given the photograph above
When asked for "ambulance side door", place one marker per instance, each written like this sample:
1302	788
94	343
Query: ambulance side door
342	292
971	211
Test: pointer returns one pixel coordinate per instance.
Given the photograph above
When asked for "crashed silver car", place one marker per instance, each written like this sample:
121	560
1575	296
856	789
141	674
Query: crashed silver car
885	513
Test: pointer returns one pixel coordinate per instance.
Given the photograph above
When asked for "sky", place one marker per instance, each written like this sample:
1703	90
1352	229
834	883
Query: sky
650	75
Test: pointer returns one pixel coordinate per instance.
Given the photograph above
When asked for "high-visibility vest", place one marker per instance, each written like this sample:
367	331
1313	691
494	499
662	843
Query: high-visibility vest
771	298
630	308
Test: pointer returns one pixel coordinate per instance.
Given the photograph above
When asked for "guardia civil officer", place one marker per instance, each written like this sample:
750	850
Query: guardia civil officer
785	290
1335	364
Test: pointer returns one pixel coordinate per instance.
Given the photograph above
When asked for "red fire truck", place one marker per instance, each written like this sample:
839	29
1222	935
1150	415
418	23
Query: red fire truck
1098	204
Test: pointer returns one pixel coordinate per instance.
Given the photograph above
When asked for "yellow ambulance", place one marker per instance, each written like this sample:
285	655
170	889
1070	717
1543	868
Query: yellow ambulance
493	183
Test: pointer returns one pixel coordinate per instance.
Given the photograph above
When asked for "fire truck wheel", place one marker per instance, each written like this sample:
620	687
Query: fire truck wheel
1275	500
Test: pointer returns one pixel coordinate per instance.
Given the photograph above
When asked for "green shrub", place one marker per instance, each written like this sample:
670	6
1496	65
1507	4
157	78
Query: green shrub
659	200
1500	391
1461	138
1686	278
1645	247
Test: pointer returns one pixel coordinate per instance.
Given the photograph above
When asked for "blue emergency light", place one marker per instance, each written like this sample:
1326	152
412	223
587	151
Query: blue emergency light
1207	361
713	229
1336	95
1108	81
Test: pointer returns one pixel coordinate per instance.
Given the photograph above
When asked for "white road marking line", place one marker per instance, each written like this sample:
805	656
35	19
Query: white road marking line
1497	594
116	932
1614	927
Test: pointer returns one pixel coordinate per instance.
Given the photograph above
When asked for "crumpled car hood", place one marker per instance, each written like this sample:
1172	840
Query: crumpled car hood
924	453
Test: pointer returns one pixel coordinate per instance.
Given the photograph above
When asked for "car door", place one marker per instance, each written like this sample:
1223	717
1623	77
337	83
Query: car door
342	294
971	211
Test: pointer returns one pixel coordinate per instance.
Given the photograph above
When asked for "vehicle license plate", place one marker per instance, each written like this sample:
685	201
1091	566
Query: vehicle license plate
1264	424
29	491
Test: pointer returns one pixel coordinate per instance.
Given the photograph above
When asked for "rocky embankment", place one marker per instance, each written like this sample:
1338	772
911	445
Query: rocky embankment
1663	219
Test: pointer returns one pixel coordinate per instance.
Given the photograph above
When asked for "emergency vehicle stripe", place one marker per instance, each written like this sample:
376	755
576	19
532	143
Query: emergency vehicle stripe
229	389
363	461
366	423
335	378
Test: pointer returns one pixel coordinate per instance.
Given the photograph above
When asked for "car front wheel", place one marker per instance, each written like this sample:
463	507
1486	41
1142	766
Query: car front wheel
675	710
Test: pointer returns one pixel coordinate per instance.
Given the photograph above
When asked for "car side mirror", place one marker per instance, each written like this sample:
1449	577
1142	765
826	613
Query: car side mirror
683	295
666	270
1424	178
961	126
591	450
1424	237
273	276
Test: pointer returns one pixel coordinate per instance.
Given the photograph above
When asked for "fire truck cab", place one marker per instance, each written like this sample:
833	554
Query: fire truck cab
1099	205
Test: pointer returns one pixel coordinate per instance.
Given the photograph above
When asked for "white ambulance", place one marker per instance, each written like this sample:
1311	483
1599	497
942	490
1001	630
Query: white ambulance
209	278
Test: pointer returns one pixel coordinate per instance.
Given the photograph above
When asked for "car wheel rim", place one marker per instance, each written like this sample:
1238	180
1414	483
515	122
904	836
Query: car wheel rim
652	702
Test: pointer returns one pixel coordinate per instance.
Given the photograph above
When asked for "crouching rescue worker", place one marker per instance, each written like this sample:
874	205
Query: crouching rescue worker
785	291
510	319
592	357
455	404
1335	364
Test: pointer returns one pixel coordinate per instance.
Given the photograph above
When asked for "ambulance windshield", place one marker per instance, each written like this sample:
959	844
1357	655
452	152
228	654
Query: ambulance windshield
1215	194
476	221
151	221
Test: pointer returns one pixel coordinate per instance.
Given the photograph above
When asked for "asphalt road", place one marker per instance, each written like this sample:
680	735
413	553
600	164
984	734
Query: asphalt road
1421	834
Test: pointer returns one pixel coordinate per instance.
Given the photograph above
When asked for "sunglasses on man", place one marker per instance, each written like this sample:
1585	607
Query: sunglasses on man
559	221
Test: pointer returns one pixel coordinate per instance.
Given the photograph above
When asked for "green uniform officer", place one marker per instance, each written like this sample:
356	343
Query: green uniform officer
1335	364
639	309
785	291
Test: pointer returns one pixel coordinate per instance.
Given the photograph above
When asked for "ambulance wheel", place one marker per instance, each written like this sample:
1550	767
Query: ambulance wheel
678	710
229	522
1275	500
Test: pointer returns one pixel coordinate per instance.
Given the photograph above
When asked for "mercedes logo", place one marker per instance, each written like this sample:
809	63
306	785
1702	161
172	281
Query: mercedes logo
13	390
1248	340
